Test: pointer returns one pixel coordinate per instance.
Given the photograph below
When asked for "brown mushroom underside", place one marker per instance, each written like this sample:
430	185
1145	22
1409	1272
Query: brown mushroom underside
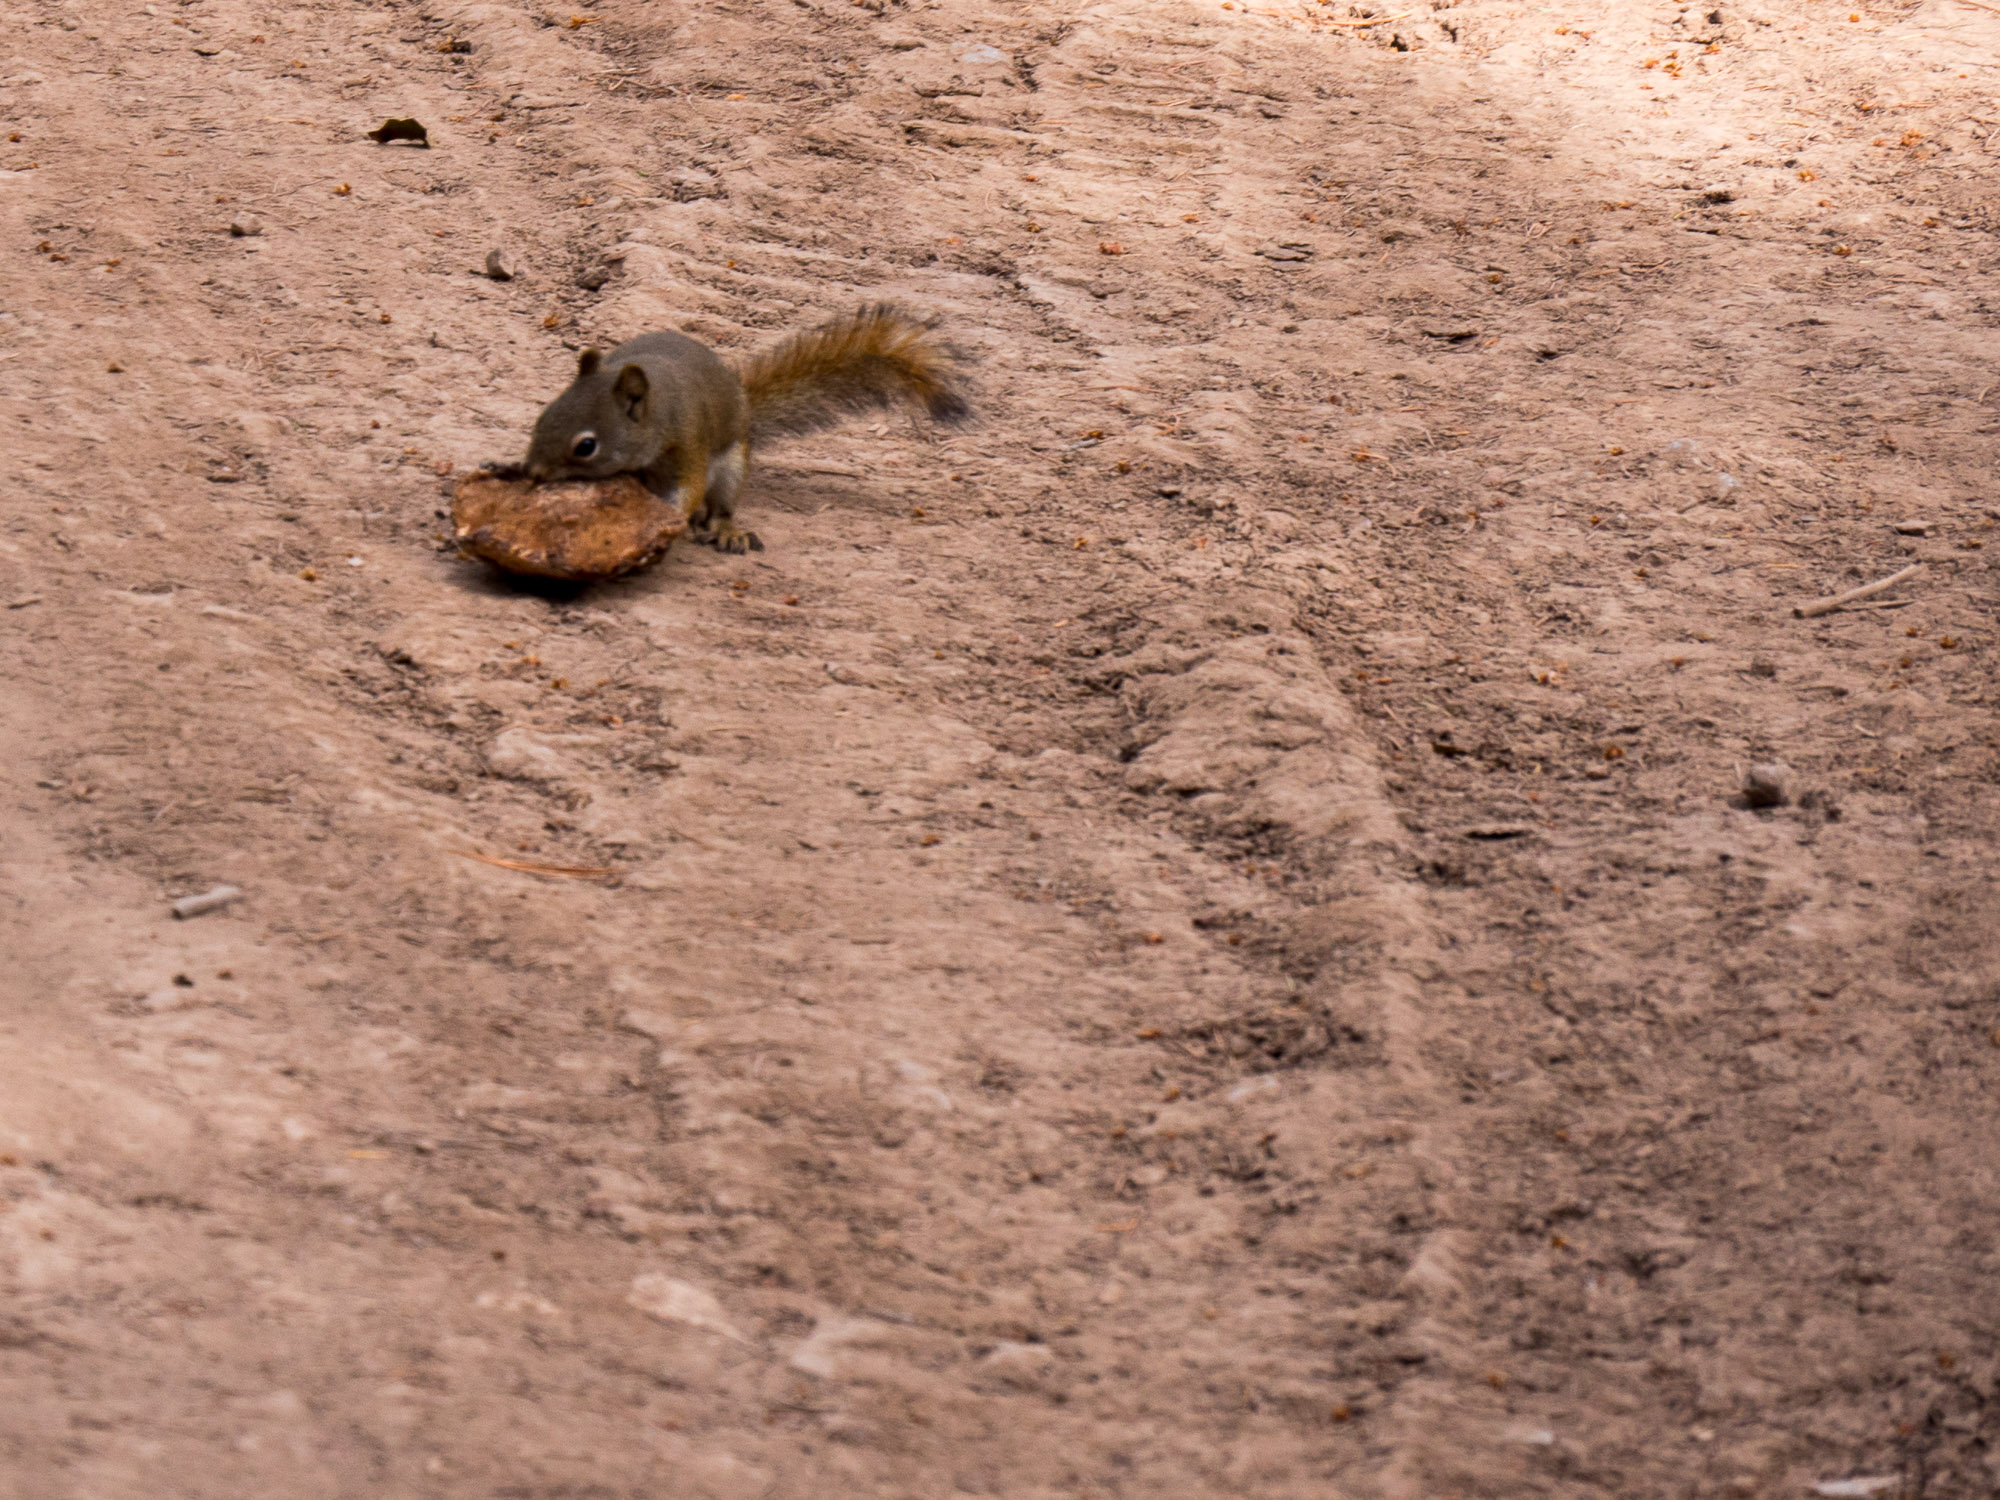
574	529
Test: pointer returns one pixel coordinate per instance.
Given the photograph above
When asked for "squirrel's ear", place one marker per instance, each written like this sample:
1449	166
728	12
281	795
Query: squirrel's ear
587	362
631	388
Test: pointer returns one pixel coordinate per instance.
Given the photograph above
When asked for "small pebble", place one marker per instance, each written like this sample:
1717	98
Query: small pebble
245	226
1764	786
501	266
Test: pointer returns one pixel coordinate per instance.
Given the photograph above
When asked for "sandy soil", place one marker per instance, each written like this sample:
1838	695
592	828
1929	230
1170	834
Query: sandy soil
1196	938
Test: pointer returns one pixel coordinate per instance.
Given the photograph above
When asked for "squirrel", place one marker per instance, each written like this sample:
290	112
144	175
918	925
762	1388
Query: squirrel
668	410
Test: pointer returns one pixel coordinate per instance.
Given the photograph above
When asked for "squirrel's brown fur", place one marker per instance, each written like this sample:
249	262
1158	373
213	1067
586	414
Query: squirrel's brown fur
879	357
667	409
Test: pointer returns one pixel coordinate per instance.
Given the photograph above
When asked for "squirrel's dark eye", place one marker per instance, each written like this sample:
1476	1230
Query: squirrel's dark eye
584	446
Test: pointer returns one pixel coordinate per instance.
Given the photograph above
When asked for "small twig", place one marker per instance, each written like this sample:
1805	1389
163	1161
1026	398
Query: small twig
1832	602
1311	20
1883	604
210	900
535	867
1377	21
1982	5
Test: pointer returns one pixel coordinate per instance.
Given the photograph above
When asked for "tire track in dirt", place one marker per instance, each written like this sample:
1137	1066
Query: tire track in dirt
1383	1319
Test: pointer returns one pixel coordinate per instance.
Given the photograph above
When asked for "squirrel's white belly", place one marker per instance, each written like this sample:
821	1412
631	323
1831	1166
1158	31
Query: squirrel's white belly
726	470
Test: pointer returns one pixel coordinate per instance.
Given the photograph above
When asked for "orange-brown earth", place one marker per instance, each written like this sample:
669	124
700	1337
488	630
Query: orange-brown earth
1196	938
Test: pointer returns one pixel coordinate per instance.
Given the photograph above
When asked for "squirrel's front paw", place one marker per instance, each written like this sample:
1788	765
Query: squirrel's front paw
727	536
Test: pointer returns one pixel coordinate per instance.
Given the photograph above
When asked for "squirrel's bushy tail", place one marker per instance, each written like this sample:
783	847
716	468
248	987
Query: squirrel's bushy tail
882	356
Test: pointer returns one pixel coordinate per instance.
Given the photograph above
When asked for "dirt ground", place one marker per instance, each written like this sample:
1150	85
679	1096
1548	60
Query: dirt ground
1194	938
